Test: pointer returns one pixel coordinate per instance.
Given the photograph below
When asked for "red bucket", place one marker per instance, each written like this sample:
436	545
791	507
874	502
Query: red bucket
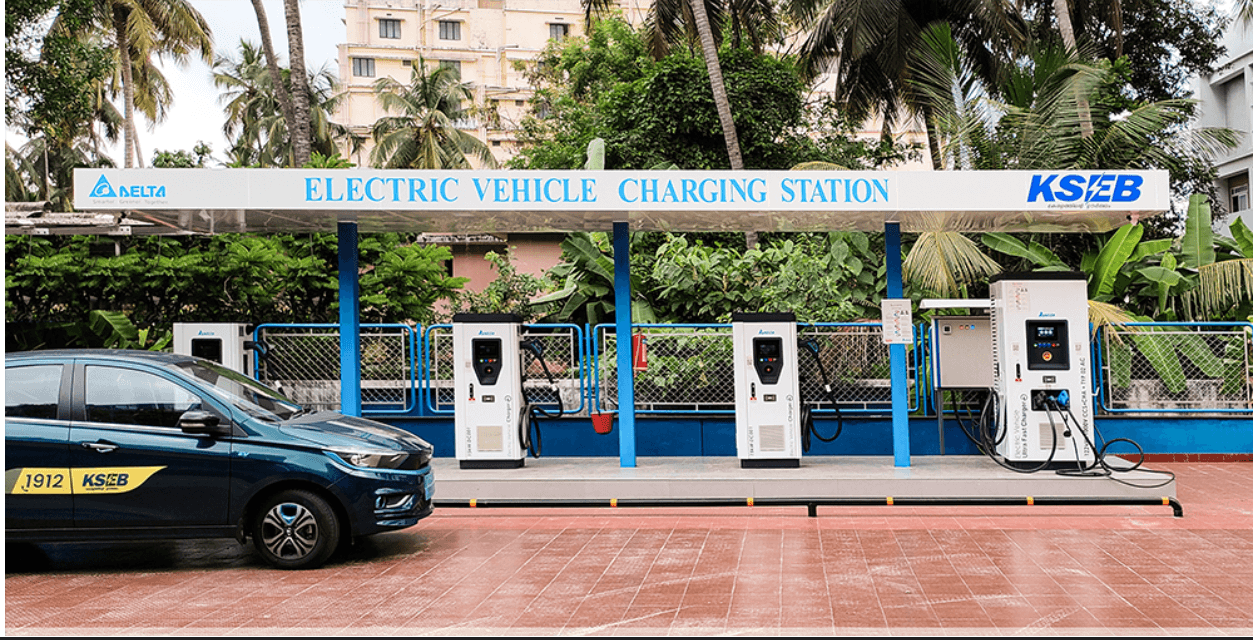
602	423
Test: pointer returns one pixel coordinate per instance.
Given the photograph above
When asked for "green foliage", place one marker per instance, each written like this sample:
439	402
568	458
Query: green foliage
53	284
255	125
651	113
405	281
424	133
585	276
510	292
334	161
49	74
819	277
696	278
182	159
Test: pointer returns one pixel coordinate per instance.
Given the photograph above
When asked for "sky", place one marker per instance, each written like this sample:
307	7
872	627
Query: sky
196	113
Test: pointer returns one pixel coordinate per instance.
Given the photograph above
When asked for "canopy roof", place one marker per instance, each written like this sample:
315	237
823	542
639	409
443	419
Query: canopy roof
471	202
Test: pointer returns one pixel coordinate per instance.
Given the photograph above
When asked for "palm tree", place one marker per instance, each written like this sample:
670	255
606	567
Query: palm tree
141	29
271	61
255	121
869	43
1040	124
424	134
671	22
300	90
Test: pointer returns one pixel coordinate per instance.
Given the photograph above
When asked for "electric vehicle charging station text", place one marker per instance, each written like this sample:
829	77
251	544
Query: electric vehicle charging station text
1041	367
767	390
490	419
225	343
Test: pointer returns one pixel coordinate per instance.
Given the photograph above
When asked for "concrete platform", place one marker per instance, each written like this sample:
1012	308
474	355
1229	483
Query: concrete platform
971	478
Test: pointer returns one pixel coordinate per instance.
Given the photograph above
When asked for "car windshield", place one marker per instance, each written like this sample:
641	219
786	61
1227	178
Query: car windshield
248	395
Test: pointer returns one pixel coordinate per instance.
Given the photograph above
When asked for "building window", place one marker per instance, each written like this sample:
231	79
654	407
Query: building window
363	67
1239	189
449	30
406	63
558	31
389	28
455	65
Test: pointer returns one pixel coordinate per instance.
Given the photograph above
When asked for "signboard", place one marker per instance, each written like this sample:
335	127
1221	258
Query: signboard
898	321
504	201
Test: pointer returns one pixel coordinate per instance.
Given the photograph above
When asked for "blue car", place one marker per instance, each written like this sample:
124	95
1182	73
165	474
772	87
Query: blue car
125	445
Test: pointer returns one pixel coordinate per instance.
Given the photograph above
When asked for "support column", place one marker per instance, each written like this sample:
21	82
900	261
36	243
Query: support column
622	324
349	322
896	353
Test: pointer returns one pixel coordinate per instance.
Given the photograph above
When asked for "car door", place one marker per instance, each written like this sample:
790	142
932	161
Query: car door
132	465
36	447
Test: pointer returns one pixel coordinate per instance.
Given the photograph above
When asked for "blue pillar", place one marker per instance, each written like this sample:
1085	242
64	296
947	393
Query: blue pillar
622	324
896	352
349	322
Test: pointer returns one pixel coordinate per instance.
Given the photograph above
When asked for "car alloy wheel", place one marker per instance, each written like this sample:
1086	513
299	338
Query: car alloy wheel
296	530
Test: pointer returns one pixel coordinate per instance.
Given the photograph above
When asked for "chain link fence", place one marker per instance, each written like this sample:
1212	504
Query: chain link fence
691	368
560	346
1155	368
302	362
853	359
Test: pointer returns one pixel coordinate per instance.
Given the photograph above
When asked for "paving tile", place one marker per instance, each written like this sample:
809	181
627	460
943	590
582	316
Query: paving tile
871	570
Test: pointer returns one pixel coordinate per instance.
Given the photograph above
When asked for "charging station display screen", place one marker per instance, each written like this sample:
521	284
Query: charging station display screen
207	348
1046	345
486	353
768	359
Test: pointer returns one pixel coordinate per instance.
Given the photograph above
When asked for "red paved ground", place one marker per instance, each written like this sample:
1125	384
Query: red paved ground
880	571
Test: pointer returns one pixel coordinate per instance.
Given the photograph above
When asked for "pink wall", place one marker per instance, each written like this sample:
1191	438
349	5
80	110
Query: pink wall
533	253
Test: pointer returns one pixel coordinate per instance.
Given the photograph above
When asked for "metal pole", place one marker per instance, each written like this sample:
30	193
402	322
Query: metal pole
622	324
896	352
349	322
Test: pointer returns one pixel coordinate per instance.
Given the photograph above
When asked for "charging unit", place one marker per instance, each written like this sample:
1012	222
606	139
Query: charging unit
767	390
226	343
490	418
1041	367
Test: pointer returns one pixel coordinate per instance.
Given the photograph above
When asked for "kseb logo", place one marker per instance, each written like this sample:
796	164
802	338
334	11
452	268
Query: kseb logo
1074	187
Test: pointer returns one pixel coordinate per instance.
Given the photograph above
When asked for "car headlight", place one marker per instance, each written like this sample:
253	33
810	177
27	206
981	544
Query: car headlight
373	459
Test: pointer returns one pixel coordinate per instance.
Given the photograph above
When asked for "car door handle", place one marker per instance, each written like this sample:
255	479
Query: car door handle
100	447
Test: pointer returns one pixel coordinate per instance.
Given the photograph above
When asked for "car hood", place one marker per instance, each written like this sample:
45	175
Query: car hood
336	430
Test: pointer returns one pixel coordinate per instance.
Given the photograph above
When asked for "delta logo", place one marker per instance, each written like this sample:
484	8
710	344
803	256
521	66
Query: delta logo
105	190
1074	187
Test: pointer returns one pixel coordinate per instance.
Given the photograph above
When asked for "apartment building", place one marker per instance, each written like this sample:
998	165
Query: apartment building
1225	102
481	39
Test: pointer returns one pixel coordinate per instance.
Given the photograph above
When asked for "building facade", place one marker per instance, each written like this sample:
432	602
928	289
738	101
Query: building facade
482	39
1225	102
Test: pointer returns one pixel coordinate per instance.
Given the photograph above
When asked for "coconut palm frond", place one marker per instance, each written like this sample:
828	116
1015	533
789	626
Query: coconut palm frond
1221	285
941	261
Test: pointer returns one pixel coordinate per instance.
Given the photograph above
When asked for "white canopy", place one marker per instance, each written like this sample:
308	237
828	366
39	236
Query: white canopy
288	200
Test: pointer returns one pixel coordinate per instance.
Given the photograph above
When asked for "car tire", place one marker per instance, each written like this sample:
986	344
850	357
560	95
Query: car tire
295	529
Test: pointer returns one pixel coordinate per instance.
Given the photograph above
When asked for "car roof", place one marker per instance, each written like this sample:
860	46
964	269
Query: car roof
125	355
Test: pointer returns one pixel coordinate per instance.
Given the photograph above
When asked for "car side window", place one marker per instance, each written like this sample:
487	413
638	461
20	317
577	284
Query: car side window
33	391
127	396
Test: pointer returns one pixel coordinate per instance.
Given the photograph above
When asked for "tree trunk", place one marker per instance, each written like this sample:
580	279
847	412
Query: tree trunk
120	15
723	105
299	85
1062	9
276	75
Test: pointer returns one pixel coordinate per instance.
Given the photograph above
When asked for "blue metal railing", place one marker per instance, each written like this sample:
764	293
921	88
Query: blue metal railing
427	376
370	406
1188	375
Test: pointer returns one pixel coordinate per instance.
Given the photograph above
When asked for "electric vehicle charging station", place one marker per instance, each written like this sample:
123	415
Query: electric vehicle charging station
225	343
767	390
1041	367
490	420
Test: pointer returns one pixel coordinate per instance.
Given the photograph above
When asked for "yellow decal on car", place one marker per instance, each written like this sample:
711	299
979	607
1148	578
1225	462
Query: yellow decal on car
95	480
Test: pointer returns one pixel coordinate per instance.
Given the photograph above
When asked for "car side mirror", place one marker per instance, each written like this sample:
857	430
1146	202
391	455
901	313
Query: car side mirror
202	422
